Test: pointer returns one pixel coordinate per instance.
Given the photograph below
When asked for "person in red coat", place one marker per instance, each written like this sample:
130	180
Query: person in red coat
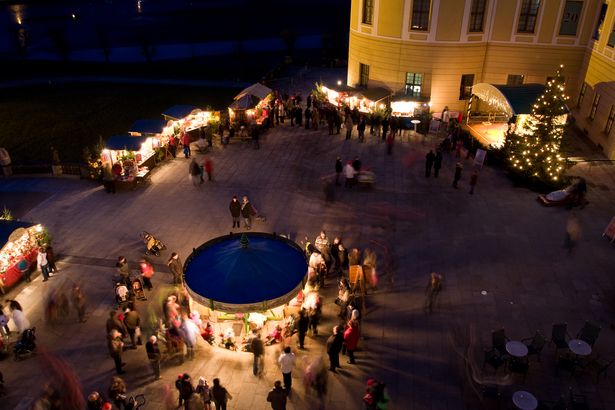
186	144
351	339
147	272
209	168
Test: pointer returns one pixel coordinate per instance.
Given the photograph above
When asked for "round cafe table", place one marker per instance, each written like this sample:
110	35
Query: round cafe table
524	400
516	348
580	347
415	122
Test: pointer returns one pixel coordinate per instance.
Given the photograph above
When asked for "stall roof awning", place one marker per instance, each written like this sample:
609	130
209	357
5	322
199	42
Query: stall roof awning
127	142
375	94
246	102
154	126
257	90
177	112
8	227
512	99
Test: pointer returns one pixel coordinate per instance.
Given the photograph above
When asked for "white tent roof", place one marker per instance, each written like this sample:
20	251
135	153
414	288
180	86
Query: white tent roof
257	90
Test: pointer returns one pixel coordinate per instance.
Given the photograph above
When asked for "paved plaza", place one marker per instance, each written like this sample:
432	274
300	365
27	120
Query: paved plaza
501	254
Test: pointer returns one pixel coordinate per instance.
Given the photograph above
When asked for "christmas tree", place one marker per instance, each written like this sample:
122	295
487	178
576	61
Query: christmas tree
532	147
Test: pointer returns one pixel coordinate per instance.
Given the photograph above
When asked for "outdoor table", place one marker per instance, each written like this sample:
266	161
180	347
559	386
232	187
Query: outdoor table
415	122
524	400
516	348
580	347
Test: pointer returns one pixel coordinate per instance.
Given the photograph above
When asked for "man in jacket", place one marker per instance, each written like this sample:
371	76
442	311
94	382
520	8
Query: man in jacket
132	320
277	397
43	265
258	350
116	346
235	209
175	266
247	212
334	346
154	356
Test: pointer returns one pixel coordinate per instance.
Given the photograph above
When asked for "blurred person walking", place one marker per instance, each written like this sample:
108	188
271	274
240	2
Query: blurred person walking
154	355
334	347
573	232
78	299
287	362
220	394
176	268
433	289
277	396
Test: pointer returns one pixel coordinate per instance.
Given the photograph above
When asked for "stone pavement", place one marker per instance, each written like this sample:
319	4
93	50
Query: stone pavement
499	240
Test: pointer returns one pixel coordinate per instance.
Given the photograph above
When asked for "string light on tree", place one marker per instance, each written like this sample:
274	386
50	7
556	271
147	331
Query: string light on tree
533	148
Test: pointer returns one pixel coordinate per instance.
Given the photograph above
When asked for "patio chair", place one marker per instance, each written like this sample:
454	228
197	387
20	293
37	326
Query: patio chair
498	341
535	344
589	333
494	359
560	336
567	361
577	401
598	366
519	366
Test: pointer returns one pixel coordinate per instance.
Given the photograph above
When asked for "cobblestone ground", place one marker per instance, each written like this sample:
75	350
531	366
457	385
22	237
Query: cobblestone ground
499	240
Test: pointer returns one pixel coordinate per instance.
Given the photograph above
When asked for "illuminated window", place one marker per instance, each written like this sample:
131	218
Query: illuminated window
465	88
368	11
528	16
477	15
570	19
582	94
592	112
600	21
420	15
611	40
609	121
414	84
514	79
363	74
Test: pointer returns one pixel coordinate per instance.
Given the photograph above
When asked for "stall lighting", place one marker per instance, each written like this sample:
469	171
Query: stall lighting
38	228
74	16
339	82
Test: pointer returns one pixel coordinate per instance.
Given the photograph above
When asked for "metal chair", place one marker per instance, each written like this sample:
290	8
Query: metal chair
598	366
560	336
589	333
535	344
494	359
498	341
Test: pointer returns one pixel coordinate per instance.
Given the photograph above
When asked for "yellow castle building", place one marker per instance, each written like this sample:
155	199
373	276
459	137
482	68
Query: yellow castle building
436	50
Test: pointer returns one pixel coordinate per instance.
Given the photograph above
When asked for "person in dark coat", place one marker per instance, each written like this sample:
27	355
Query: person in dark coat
51	259
458	169
175	266
338	170
235	209
385	128
302	327
361	128
437	163
257	347
277	397
186	389
356	164
116	346
308	117
154	355
132	321
220	394
334	347
247	211
429	160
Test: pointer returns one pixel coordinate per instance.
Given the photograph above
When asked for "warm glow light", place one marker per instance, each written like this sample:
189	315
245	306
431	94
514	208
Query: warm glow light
403	107
74	16
339	82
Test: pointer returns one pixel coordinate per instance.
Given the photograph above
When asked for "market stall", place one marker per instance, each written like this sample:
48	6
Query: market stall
18	252
251	105
245	277
371	100
127	156
494	109
336	96
190	122
157	131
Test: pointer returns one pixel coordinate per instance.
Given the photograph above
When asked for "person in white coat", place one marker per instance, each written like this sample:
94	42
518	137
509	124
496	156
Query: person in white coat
19	318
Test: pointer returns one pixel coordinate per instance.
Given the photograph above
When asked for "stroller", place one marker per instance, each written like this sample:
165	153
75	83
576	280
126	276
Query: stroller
122	295
26	345
153	245
137	289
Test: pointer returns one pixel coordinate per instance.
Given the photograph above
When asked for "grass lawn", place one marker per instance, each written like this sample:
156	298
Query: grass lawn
73	116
